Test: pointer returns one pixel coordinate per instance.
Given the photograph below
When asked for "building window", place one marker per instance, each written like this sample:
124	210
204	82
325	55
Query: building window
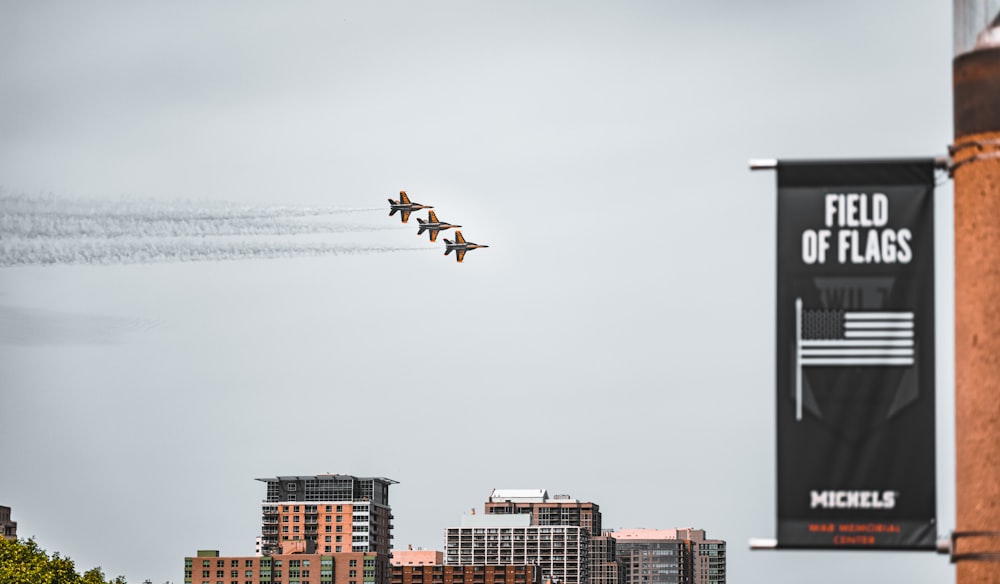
353	563
340	508
339	549
340	528
290	486
340	538
328	529
327	549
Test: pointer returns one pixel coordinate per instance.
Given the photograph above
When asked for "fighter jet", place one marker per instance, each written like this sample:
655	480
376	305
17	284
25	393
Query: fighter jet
460	246
404	206
433	225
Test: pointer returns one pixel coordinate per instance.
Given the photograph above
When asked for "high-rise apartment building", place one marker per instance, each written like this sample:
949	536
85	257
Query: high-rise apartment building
322	529
603	561
562	510
8	528
560	551
545	510
670	556
333	513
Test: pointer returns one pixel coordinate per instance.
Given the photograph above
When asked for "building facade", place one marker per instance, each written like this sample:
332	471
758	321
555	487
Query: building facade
545	510
330	514
208	567
670	556
444	574
8	528
412	557
560	551
602	565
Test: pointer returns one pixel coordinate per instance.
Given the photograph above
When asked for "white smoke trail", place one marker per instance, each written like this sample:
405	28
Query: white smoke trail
51	230
38	251
150	209
71	226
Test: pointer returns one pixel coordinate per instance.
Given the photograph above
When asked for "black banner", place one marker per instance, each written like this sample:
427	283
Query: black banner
855	355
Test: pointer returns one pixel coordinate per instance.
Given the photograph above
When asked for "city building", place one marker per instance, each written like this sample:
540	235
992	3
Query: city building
208	567
604	566
8	528
331	514
562	510
444	574
418	557
545	510
560	551
670	556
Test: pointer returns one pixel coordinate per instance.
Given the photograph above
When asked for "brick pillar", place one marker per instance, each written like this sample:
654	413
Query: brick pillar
976	154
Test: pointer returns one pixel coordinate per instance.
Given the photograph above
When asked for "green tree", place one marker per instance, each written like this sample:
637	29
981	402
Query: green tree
25	562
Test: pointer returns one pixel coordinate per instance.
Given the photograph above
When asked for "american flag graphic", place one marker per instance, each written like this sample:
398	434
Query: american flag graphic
844	338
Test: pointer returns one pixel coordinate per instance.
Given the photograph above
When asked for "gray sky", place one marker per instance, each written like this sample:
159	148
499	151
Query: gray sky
621	323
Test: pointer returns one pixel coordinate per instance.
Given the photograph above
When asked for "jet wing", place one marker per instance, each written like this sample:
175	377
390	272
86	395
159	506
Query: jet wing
461	254
431	217
403	198
434	234
459	238
405	215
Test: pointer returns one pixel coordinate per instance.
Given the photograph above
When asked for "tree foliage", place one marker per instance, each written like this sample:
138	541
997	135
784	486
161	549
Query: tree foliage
25	562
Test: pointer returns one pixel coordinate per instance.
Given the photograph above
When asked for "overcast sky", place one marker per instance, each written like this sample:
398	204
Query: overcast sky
615	342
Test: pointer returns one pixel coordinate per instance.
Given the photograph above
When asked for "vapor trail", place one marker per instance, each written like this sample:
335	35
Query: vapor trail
111	226
52	230
22	252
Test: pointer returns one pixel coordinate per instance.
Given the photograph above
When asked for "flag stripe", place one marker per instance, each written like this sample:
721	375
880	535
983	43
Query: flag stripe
858	343
879	315
877	352
857	361
877	325
877	334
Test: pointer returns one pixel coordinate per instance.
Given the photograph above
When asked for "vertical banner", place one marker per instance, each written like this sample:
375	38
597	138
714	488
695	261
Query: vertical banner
855	355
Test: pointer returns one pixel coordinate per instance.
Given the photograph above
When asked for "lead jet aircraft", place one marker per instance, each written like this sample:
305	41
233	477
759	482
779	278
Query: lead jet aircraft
404	206
460	246
433	225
